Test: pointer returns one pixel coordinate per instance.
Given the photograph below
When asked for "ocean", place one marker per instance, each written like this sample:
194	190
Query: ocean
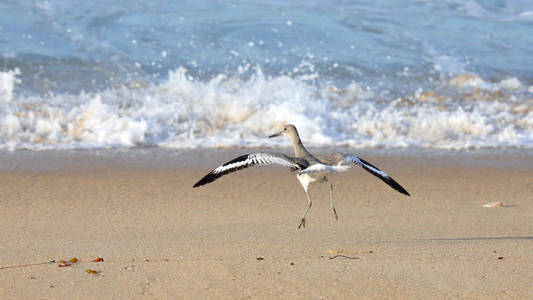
396	74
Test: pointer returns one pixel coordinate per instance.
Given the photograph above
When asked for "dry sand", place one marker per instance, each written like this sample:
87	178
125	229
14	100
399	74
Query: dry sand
237	237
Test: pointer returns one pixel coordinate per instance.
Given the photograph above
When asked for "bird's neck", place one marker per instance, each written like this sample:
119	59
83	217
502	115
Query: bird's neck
299	149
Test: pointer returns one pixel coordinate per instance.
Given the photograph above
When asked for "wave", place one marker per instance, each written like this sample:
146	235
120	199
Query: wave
463	111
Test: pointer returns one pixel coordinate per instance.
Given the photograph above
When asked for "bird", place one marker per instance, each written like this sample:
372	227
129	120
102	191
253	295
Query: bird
309	169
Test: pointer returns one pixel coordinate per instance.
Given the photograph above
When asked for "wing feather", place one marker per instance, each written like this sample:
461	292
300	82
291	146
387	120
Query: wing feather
375	171
252	159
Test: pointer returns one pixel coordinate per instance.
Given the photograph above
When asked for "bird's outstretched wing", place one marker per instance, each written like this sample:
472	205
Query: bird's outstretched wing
350	158
252	159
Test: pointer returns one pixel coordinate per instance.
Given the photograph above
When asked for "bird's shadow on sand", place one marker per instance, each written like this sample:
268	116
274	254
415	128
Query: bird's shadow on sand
463	239
512	238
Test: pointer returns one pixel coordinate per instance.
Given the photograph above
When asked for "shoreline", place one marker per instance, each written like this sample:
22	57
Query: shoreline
94	159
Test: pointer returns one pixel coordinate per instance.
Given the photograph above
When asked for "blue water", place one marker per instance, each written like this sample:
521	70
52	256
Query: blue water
347	58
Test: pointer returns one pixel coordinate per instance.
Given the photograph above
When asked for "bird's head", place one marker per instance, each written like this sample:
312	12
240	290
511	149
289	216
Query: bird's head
288	130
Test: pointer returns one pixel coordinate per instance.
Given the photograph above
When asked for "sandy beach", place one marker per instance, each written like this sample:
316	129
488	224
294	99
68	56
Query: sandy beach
237	238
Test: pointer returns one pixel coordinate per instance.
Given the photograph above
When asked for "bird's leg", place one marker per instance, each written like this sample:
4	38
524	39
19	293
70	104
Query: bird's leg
302	222
331	198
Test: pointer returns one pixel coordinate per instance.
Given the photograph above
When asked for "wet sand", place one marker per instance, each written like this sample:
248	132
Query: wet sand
237	237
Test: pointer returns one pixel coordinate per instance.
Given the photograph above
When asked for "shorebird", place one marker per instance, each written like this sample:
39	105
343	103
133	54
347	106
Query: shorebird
308	168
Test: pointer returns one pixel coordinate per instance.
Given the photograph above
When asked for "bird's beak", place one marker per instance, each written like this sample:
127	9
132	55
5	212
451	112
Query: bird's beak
276	134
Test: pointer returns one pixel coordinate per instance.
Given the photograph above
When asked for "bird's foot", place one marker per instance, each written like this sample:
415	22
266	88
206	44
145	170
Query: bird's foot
335	213
302	223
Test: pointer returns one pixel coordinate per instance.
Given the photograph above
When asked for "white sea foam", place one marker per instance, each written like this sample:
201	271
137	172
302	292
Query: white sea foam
7	84
183	112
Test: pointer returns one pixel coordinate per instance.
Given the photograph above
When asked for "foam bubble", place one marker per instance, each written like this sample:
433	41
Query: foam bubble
7	84
511	83
468	80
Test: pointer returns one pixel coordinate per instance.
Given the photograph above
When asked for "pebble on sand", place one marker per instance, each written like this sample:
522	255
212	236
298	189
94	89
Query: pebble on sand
494	204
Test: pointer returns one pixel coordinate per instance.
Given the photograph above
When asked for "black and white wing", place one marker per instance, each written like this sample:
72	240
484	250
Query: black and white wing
375	171
253	159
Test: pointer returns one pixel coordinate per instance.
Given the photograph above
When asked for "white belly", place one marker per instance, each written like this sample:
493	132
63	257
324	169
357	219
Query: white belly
306	179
